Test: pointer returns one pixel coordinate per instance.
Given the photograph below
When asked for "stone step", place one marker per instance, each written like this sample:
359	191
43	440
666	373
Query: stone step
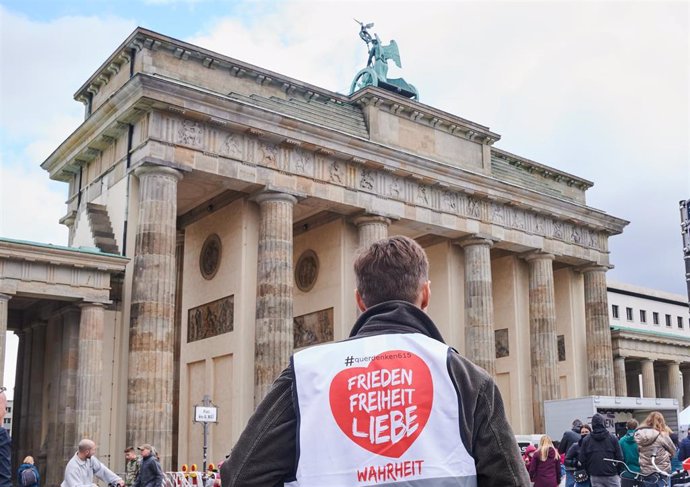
101	228
325	109
300	110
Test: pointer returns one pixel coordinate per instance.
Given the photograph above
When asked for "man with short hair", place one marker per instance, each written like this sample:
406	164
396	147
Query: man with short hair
150	474
391	404
570	437
132	466
631	454
82	467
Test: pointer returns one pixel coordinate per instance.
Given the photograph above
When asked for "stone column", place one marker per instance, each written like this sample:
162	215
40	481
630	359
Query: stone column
599	353
648	384
35	406
151	336
21	380
90	371
675	385
67	399
686	387
4	302
543	341
273	335
179	269
24	407
620	377
371	228
480	346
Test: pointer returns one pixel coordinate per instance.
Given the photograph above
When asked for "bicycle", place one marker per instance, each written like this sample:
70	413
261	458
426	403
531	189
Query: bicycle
680	478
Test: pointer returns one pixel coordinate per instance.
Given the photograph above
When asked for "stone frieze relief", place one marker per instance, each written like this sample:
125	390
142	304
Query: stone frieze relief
326	167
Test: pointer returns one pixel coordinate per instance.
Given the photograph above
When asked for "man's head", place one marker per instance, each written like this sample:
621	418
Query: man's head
394	268
87	449
577	424
145	450
130	454
632	424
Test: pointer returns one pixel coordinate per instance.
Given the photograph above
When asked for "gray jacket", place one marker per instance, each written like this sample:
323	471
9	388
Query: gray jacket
80	473
266	452
649	442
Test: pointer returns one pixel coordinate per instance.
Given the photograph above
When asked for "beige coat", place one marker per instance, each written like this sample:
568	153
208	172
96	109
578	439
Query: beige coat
650	441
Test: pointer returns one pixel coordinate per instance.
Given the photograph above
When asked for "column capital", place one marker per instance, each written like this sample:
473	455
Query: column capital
369	219
5	297
537	255
476	239
267	195
584	269
88	304
157	170
36	325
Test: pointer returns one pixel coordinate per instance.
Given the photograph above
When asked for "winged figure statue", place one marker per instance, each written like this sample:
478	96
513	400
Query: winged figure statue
376	72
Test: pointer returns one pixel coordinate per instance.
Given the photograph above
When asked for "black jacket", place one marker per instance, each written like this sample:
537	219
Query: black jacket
265	454
150	473
5	460
572	456
570	437
596	446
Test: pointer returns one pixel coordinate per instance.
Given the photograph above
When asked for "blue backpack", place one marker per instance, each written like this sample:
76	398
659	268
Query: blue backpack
28	477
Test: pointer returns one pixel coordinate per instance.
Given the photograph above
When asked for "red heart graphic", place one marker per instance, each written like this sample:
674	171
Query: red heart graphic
384	407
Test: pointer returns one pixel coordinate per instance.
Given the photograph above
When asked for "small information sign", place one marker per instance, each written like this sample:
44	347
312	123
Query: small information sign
206	414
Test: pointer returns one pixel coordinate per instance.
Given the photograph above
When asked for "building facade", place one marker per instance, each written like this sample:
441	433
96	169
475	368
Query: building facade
650	333
214	212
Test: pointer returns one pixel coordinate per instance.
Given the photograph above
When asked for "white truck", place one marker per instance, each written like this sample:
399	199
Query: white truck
560	413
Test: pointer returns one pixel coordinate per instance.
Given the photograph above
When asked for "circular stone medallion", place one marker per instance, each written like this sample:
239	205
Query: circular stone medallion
307	270
209	260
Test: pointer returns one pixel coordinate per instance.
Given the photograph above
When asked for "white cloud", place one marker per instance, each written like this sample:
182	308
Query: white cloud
597	89
31	205
41	65
11	349
44	63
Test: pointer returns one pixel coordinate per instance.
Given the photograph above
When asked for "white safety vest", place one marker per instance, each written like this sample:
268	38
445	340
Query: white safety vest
379	410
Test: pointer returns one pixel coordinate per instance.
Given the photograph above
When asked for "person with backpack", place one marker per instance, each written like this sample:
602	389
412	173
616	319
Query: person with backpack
27	473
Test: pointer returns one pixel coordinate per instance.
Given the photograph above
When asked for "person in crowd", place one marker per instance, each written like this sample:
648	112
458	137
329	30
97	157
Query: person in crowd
5	445
654	444
631	455
132	466
528	455
545	468
572	460
570	437
83	466
597	446
150	473
684	450
27	473
465	437
676	464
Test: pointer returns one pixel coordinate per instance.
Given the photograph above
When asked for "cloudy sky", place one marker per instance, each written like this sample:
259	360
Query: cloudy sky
596	89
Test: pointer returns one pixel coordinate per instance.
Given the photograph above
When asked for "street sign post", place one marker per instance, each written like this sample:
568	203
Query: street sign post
205	413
